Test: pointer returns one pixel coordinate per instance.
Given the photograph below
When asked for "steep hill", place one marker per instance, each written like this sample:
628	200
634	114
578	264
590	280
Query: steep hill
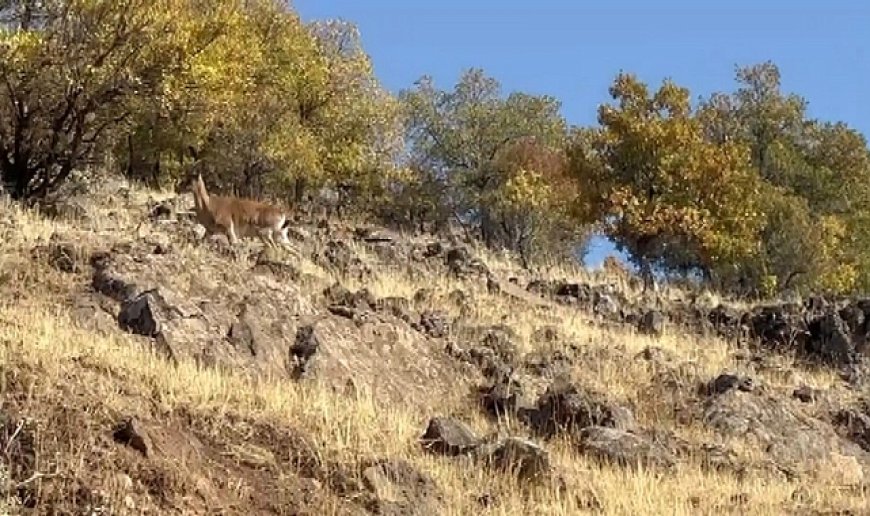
370	372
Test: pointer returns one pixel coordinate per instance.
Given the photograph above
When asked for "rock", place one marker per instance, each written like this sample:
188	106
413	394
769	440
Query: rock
241	335
268	263
450	437
492	286
434	323
777	327
457	260
143	315
500	339
855	425
397	488
163	210
615	446
398	307
657	355
423	296
62	256
502	397
547	335
339	297
793	441
490	348
550	365
433	250
541	287
725	382
830	340
805	394
566	408
341	258
525	459
304	347
652	323
131	433
606	306
106	282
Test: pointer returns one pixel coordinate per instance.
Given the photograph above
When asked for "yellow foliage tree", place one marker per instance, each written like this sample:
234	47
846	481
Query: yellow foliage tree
666	193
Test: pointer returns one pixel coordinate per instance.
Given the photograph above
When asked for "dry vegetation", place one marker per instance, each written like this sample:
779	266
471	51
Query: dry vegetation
231	442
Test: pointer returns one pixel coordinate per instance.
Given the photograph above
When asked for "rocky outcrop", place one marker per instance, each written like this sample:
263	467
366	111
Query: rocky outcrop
263	325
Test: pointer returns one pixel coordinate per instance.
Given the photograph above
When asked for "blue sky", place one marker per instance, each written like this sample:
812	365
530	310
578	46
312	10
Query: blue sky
572	49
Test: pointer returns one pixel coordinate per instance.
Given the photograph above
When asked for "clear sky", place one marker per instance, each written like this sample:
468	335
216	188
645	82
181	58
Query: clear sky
572	49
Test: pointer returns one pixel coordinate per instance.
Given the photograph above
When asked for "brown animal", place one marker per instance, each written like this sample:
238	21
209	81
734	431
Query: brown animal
239	218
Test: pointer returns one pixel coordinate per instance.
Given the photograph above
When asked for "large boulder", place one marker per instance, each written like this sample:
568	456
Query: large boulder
567	408
796	442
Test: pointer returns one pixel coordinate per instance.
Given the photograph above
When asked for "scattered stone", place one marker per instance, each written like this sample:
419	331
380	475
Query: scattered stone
656	354
550	365
520	457
163	210
423	296
492	286
433	250
143	315
398	307
855	425
457	260
62	256
434	323
267	262
109	284
623	448
450	437
725	382
547	335
242	336
340	257
305	346
805	394
652	323
396	487
502	397
131	433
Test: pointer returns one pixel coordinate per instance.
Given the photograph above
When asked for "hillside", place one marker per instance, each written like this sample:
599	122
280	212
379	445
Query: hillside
371	372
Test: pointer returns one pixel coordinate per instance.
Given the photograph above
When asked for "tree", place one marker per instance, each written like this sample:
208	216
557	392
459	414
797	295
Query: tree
665	192
70	70
474	141
817	192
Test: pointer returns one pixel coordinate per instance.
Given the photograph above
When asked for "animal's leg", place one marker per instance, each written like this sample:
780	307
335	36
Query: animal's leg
231	234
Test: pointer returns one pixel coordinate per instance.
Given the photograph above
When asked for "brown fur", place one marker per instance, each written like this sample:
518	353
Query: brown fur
238	218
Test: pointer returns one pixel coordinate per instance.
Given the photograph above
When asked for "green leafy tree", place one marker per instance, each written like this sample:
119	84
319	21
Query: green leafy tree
464	138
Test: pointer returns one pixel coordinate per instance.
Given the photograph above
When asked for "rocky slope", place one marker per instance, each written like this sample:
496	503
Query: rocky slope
371	372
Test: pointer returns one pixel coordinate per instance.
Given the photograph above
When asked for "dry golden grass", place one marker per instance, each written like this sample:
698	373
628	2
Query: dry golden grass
111	375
